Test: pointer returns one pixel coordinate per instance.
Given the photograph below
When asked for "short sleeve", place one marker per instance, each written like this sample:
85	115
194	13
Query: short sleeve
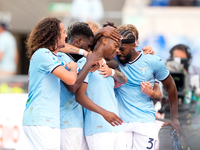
157	81
47	60
80	63
87	78
160	72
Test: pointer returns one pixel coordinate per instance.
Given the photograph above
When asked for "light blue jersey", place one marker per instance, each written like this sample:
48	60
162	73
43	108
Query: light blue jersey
101	91
9	48
134	106
71	112
43	104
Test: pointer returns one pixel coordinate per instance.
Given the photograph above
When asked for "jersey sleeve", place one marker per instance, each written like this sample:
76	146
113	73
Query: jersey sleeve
47	61
157	81
80	63
64	58
160	71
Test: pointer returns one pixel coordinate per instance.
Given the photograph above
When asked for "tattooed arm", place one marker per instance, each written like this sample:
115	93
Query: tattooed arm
73	50
119	77
116	74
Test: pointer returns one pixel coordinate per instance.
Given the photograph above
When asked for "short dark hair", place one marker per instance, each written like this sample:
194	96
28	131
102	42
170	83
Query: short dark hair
182	47
79	29
109	24
127	34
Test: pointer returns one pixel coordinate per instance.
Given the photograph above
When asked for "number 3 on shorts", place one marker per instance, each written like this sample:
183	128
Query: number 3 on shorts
151	140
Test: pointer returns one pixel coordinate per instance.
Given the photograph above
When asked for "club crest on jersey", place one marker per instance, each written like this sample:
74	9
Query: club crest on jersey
143	69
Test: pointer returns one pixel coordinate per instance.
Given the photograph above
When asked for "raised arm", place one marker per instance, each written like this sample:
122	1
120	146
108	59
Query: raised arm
86	102
73	50
91	60
109	32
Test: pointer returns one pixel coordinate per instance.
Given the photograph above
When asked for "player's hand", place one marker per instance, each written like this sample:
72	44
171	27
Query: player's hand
174	123
146	88
105	70
111	32
93	58
148	50
71	66
97	65
112	118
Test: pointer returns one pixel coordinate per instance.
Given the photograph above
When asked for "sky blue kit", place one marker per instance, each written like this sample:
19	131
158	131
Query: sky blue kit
101	91
43	104
134	106
71	112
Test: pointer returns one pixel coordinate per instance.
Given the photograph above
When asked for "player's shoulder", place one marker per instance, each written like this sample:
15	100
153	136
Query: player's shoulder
82	60
43	54
63	56
43	51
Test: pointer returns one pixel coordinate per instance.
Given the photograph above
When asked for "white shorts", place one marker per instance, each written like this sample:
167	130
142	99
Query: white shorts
141	136
72	139
107	141
43	137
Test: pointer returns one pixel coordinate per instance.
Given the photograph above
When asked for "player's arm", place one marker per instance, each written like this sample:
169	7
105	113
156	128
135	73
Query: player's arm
86	102
173	99
154	93
109	32
69	77
116	74
112	63
73	49
91	60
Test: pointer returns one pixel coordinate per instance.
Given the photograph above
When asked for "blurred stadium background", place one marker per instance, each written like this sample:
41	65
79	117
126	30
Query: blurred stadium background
161	24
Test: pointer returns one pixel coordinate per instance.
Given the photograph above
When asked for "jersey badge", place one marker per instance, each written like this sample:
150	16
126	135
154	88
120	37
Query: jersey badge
143	69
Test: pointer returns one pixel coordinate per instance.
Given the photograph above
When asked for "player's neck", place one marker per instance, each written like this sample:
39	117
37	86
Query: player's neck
99	51
135	54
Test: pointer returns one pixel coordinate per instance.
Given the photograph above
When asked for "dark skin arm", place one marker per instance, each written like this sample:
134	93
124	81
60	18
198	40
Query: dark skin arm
109	32
173	99
91	60
86	102
112	64
155	93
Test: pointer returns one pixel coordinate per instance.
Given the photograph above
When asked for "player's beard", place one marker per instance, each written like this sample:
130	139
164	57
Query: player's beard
126	60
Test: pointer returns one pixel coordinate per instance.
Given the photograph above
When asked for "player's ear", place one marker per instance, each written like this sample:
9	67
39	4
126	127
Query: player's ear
79	41
136	42
104	41
133	45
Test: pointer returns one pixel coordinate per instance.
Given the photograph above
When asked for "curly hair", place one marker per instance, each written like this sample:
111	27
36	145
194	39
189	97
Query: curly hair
77	29
45	35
